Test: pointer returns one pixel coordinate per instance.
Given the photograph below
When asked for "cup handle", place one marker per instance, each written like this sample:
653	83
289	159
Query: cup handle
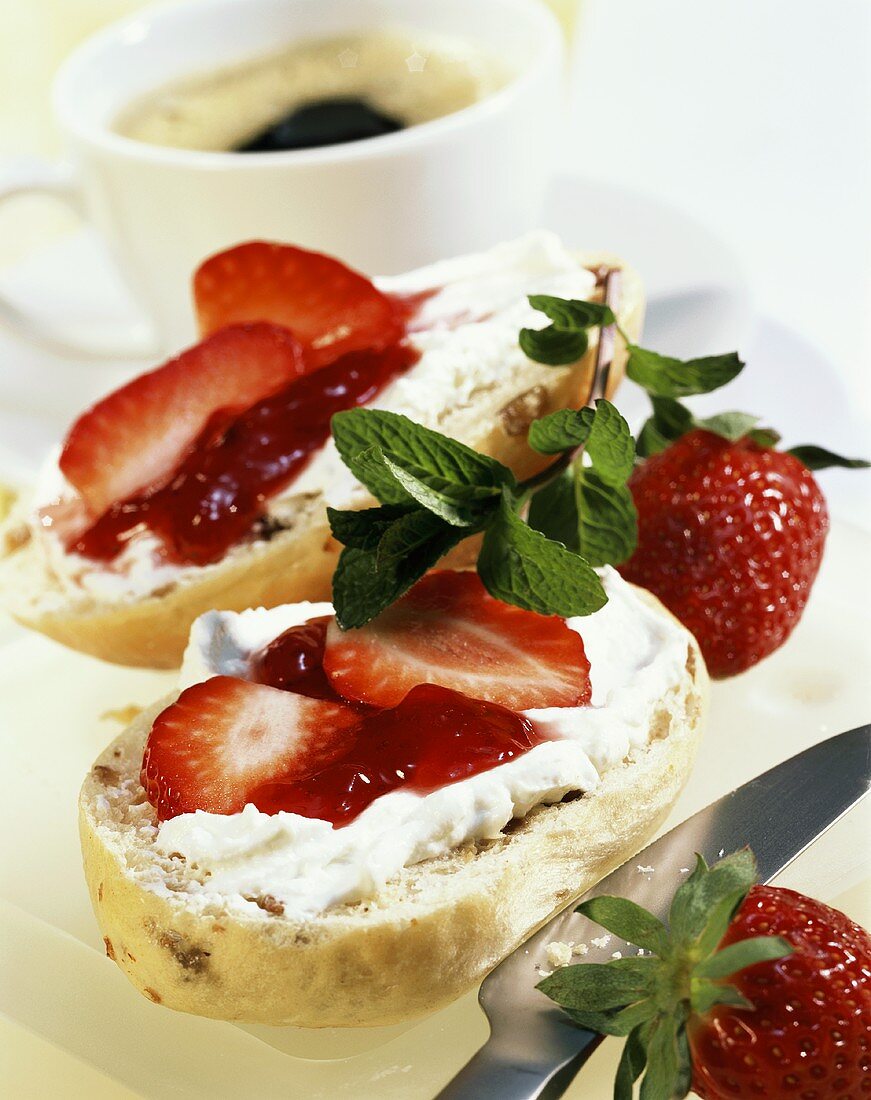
59	183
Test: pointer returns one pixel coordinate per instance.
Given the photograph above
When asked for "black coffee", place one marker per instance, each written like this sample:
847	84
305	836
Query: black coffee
328	122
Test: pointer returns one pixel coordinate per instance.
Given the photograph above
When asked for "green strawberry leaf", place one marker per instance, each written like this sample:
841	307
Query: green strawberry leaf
705	887
730	425
664	1071
664	376
628	921
632	1063
520	566
600	986
738	956
818	458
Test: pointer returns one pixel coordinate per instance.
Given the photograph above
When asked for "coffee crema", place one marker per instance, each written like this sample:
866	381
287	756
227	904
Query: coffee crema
315	93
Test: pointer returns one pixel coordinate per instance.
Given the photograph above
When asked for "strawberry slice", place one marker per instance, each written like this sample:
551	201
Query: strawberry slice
328	307
134	438
224	738
448	630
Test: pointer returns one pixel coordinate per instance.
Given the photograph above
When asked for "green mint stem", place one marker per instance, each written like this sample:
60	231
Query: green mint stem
598	386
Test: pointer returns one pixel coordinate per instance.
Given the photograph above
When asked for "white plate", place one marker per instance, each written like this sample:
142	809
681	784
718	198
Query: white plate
56	981
697	297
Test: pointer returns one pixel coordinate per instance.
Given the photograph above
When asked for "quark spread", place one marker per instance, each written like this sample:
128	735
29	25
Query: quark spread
637	657
466	337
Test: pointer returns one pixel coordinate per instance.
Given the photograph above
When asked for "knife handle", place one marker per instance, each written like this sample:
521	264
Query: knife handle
496	1073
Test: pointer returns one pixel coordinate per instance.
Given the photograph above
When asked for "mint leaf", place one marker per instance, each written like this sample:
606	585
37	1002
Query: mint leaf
573	312
413	447
553	510
565	340
607	520
818	458
663	376
459	505
553	346
560	431
522	567
610	445
363	529
669	422
368	581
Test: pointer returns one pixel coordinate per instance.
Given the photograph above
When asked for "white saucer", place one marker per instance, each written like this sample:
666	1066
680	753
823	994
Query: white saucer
698	302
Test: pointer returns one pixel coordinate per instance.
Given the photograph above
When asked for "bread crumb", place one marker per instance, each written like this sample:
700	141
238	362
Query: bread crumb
559	954
684	870
642	870
580	949
600	941
267	903
616	954
640	952
543	973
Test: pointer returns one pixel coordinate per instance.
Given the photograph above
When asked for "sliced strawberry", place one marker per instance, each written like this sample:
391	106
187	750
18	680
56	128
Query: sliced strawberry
224	738
329	308
449	631
134	438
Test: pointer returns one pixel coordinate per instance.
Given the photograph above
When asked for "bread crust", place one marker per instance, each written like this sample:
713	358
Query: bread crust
296	564
430	935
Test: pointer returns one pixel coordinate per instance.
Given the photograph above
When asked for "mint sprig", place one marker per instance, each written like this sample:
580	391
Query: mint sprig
650	1000
566	339
435	492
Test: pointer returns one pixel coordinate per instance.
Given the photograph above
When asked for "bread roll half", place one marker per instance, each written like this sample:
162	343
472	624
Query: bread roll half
428	936
297	561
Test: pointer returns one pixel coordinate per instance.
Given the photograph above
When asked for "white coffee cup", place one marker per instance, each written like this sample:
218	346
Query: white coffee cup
455	184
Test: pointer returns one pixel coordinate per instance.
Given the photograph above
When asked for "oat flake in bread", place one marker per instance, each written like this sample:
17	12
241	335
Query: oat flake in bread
215	927
471	381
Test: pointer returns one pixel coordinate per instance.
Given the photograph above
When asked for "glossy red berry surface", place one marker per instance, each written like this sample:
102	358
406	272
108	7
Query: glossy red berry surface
808	1035
730	538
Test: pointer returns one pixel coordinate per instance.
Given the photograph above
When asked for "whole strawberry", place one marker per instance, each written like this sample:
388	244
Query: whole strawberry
809	1033
751	991
730	538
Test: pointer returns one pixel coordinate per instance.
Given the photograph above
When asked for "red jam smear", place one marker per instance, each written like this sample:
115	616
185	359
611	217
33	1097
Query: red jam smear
220	489
294	661
434	737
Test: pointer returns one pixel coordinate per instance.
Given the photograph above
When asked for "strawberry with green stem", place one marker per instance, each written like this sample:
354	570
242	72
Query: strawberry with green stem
751	991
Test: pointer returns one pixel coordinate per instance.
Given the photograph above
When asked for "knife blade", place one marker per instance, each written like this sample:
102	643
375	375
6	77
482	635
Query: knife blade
534	1049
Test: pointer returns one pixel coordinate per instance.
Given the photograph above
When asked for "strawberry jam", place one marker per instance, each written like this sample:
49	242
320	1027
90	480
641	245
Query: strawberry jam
434	737
295	661
220	489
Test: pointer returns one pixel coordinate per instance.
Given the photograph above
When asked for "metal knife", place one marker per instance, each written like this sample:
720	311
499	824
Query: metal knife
534	1050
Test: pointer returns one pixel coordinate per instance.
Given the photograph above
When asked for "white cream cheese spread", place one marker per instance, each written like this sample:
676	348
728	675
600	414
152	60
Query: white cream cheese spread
466	334
636	657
